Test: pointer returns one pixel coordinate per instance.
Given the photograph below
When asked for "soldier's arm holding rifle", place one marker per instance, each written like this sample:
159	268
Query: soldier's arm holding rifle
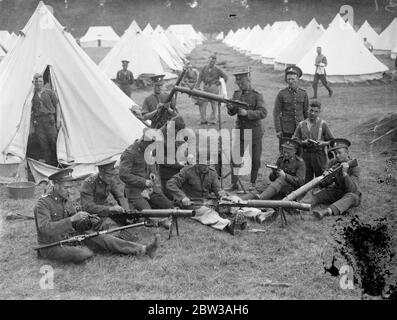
175	186
52	228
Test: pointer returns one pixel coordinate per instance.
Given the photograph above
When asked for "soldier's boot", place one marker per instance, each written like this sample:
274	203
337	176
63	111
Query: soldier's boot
151	249
321	213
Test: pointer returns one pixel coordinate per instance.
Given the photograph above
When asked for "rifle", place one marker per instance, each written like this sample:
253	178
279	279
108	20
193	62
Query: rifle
210	96
160	112
324	179
255	204
80	238
173	214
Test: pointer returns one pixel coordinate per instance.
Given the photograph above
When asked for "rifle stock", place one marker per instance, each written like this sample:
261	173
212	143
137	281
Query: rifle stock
317	180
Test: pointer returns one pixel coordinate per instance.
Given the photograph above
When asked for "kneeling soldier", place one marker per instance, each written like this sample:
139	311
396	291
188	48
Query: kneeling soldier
56	220
343	192
289	175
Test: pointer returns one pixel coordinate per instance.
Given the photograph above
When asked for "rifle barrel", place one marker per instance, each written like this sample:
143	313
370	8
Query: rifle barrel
157	213
87	236
278	204
209	96
315	182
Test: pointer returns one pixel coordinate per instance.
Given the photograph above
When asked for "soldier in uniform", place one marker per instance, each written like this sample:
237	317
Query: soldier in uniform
125	78
154	108
46	119
314	135
320	73
195	183
343	192
142	188
291	105
210	76
248	118
94	194
191	76
289	175
58	219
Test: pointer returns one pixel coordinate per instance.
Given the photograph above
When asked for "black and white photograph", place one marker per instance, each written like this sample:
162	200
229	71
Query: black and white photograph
197	156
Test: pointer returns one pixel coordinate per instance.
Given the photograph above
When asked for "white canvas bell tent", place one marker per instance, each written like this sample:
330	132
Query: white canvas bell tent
220	36
255	49
4	35
228	36
96	120
366	31
295	51
136	48
99	36
9	44
134	27
393	53
148	30
161	37
348	59
387	40
176	44
284	38
245	42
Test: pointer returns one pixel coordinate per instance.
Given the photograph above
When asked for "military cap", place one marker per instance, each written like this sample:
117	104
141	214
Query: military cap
125	60
242	74
158	79
295	70
338	143
213	56
107	165
62	175
290	143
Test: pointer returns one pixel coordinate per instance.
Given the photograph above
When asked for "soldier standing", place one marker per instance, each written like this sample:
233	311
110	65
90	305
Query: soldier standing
289	175
125	78
343	192
248	118
314	135
320	73
291	105
46	119
154	107
56	219
210	76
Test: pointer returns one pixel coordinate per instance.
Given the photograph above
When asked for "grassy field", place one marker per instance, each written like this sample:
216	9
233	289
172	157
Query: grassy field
205	264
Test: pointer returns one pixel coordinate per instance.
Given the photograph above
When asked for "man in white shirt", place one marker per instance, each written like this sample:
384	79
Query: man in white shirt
320	74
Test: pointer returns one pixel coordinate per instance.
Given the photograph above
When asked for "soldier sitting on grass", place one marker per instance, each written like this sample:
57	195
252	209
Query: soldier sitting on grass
195	183
56	219
289	175
343	191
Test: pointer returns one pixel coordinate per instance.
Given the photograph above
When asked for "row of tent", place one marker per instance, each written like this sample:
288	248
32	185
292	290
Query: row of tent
149	50
285	43
97	122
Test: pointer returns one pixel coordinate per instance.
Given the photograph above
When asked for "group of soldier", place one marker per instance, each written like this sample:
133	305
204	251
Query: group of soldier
305	143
